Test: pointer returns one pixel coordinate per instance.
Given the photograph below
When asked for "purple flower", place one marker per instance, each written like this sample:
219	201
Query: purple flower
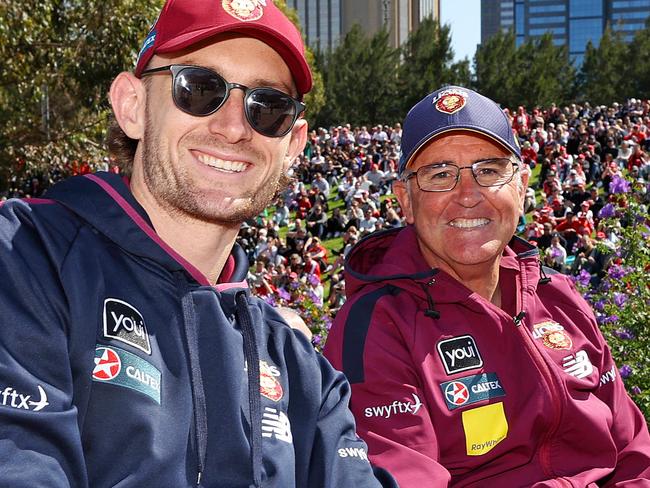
611	318
313	280
327	321
607	211
270	299
625	334
284	294
616	272
619	185
294	285
625	371
620	299
636	390
314	298
584	278
316	340
600	305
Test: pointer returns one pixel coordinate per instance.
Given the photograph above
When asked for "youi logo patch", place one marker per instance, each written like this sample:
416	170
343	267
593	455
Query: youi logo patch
459	354
124	323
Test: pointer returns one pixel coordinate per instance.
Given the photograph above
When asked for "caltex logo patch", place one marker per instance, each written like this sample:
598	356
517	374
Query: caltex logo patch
245	10
450	101
456	393
107	364
471	389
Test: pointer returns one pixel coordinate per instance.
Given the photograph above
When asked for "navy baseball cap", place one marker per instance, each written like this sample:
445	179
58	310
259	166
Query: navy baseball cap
450	109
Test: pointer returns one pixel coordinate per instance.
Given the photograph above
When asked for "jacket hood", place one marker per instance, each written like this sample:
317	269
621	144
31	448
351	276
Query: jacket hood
106	203
394	256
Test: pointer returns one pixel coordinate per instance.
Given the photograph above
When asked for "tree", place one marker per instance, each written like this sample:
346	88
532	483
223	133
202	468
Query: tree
360	80
640	72
543	73
605	74
495	64
427	63
59	58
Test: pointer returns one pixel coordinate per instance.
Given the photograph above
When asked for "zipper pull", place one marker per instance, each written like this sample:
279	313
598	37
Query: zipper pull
518	318
198	479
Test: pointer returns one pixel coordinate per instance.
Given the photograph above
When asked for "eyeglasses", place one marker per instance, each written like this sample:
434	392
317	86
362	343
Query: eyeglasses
201	92
445	176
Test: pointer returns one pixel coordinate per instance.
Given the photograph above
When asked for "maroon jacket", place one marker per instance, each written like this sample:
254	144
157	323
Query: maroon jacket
448	389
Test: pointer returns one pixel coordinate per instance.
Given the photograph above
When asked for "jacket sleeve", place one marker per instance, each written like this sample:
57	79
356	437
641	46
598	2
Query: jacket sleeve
629	429
39	435
388	400
339	457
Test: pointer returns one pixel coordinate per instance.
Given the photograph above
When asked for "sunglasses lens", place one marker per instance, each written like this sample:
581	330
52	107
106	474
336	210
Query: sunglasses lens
270	112
199	91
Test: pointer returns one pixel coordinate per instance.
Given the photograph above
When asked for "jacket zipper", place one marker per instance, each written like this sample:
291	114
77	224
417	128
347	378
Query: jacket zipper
552	388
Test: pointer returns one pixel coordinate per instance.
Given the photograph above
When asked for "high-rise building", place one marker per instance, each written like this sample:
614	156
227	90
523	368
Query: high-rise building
571	22
324	22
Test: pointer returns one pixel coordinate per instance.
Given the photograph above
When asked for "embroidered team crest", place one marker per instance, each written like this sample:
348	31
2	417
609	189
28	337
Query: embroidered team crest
270	387
450	101
244	10
552	335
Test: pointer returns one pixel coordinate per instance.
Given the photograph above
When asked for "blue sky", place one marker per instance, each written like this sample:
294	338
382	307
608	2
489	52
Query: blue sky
464	16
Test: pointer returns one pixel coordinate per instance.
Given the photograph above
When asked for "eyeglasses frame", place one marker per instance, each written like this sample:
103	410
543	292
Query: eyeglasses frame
175	69
412	174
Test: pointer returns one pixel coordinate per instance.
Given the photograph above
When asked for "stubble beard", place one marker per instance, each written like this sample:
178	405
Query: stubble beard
174	190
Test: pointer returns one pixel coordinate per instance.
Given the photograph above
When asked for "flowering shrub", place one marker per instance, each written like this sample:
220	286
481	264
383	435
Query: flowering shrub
620	295
301	297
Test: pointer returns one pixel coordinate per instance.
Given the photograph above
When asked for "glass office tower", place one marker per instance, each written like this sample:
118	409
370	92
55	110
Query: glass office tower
571	22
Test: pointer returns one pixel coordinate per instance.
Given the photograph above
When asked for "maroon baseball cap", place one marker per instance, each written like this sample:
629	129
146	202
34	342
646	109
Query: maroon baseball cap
183	23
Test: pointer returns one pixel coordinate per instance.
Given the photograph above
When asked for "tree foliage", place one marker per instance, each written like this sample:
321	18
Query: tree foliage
536	73
427	63
605	73
59	58
360	79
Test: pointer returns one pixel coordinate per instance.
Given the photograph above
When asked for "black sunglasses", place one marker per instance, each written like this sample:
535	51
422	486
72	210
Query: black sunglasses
200	92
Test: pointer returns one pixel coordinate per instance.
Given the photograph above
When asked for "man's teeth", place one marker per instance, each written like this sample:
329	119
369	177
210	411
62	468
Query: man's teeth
232	166
469	223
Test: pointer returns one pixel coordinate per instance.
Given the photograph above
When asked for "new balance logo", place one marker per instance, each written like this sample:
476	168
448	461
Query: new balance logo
354	452
276	424
608	376
578	365
394	408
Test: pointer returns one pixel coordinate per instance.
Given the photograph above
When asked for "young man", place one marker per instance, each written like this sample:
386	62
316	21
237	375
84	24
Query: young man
132	352
469	366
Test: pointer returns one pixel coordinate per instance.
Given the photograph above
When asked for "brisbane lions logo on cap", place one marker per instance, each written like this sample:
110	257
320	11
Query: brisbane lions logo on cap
245	10
450	101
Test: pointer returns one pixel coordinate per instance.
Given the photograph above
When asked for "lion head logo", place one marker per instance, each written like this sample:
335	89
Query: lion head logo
245	10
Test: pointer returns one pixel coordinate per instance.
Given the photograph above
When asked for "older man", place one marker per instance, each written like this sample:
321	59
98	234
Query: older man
131	351
469	365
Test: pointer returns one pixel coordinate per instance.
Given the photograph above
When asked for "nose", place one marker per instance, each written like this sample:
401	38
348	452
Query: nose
469	192
229	122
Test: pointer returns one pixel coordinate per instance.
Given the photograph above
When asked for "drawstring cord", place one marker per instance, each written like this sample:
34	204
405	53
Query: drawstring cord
198	393
544	279
431	306
253	368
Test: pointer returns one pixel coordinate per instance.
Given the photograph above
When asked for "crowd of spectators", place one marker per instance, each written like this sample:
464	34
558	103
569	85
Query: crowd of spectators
341	189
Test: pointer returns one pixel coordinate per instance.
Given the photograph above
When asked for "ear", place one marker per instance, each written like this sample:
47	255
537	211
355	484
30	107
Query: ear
296	143
525	175
128	98
400	188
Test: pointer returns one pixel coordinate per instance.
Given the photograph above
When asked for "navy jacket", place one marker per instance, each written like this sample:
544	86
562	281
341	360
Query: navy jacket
121	366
